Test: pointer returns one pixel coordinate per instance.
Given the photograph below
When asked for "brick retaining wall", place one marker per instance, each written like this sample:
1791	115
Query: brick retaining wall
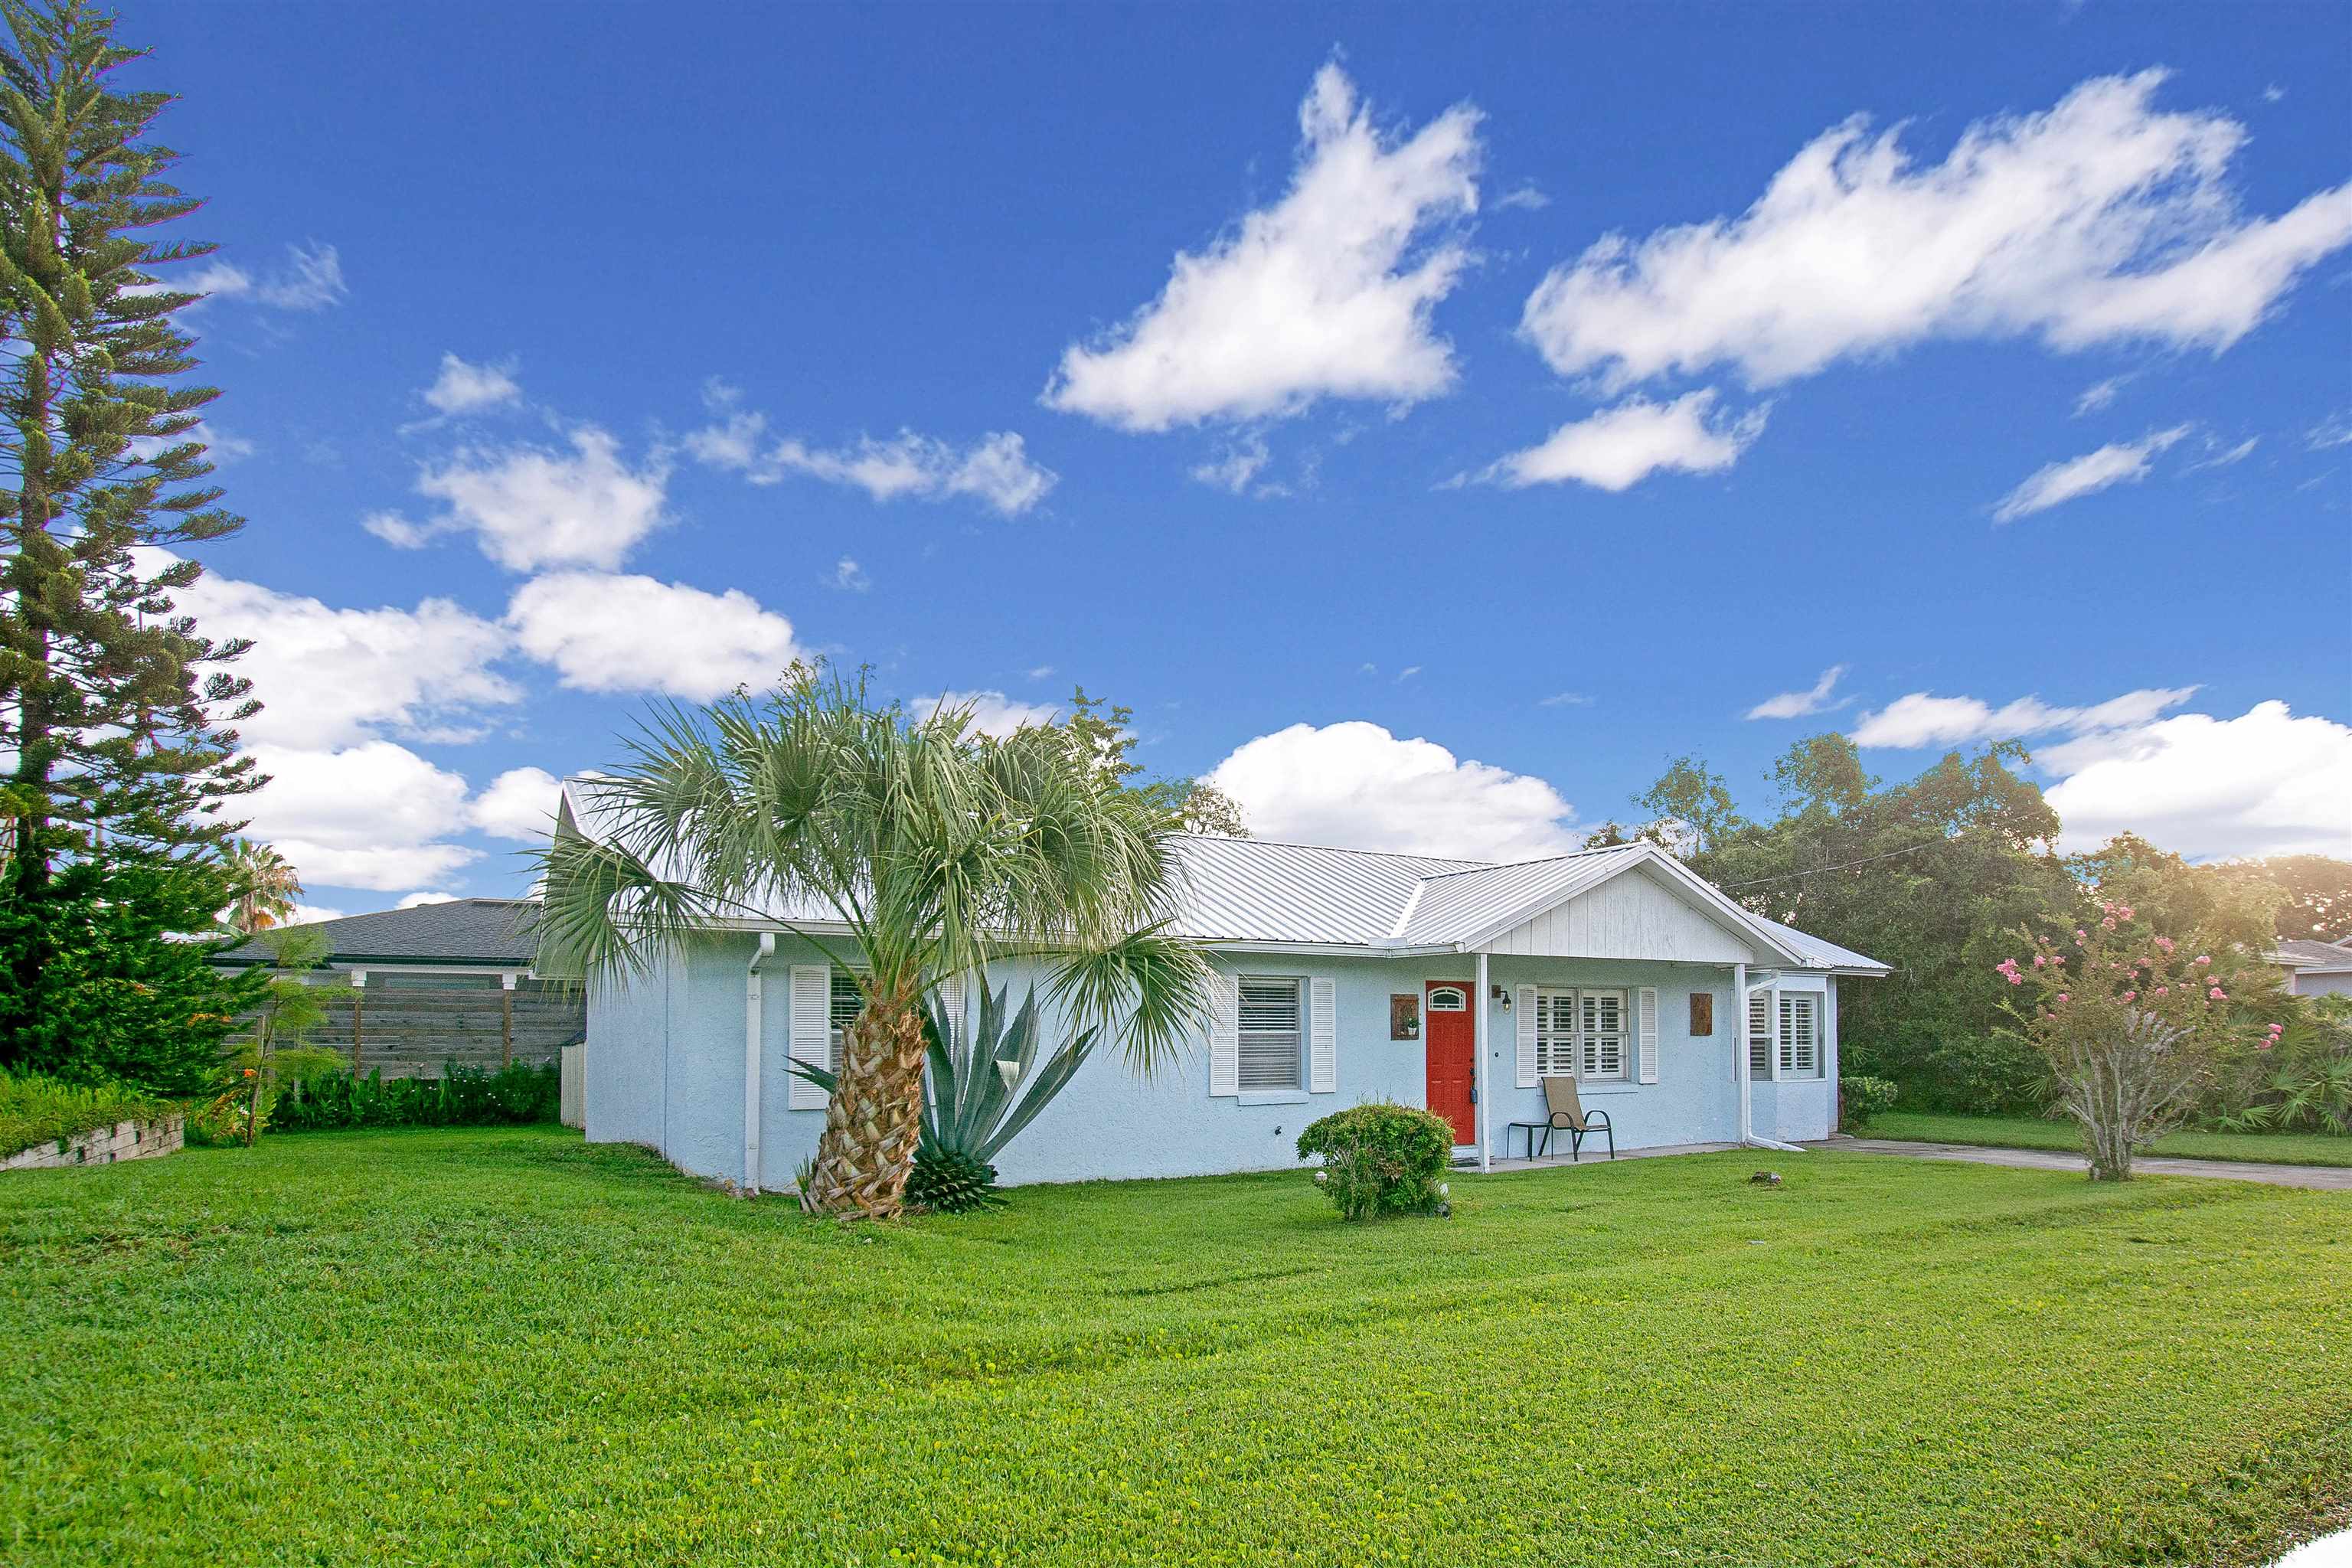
102	1145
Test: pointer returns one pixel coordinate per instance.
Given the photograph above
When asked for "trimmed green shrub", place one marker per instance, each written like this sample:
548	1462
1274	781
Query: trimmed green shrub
36	1109
1861	1099
461	1096
1380	1158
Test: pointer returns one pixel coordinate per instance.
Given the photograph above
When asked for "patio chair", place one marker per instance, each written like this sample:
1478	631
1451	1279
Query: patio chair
1568	1115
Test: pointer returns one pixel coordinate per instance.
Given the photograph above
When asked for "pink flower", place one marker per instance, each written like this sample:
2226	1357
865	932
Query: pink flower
2040	959
2109	922
2123	912
2203	958
2165	942
2080	934
2159	990
2265	1045
2129	995
2062	996
2218	994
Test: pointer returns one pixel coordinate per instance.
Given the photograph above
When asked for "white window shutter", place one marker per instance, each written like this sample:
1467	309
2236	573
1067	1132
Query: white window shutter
1323	1037
1224	1034
812	1018
1523	1009
1646	1011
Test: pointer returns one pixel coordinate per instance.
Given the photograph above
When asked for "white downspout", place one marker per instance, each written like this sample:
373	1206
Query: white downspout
1747	1133
1486	1101
752	1044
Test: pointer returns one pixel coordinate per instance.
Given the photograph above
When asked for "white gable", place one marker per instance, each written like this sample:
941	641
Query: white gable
1635	915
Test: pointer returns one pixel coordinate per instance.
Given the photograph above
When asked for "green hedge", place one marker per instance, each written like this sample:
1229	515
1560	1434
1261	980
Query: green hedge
36	1110
461	1096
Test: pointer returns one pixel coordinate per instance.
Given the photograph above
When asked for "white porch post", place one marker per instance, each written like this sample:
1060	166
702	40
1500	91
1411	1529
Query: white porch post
1739	1046
1479	1031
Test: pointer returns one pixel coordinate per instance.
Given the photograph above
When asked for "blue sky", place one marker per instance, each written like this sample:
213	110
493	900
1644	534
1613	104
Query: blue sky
1273	369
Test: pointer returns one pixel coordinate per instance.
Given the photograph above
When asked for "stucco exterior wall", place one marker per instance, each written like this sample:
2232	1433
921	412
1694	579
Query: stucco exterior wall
2320	984
666	1069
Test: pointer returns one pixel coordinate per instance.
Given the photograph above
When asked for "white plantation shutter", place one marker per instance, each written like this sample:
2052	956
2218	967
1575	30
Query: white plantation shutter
1762	1031
1524	1011
1800	1055
1224	1034
1323	1037
812	1028
1645	1014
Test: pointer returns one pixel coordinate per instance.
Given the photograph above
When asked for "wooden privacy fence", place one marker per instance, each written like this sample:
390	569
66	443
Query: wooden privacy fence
411	1031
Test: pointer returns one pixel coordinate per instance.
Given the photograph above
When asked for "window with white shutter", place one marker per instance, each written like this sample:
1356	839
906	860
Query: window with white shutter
1800	1034
845	1003
1582	1035
1269	1033
1760	1032
1601	1043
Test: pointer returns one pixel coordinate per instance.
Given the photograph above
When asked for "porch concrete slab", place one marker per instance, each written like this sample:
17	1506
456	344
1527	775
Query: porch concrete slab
1548	1161
2322	1178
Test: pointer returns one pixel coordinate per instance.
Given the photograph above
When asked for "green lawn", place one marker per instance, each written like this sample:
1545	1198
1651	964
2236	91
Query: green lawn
2037	1132
504	1347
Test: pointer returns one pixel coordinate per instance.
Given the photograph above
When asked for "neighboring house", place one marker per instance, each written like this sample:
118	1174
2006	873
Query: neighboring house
416	989
2314	968
491	941
1341	976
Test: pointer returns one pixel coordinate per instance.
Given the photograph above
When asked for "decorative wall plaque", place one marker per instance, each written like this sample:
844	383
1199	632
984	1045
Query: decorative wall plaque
1702	1013
1404	1015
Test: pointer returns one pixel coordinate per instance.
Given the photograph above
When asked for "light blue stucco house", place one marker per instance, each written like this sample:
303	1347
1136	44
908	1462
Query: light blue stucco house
1342	976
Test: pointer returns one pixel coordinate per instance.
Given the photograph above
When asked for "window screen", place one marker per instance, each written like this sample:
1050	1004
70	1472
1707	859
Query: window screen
1269	1033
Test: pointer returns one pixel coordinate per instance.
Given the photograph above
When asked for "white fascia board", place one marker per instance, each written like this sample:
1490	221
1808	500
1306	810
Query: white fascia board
1332	948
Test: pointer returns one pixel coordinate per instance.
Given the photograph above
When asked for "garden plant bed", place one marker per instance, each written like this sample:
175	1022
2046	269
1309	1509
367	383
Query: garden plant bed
2040	1132
500	1346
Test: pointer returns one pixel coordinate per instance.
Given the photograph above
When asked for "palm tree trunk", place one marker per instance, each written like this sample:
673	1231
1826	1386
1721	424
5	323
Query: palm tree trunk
875	1118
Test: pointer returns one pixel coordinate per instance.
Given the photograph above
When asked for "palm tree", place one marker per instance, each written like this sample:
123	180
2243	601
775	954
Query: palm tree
265	886
939	848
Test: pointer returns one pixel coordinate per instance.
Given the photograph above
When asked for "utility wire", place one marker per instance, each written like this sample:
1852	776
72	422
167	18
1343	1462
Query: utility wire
1840	865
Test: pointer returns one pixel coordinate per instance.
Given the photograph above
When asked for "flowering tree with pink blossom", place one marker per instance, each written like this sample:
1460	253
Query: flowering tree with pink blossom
2131	1023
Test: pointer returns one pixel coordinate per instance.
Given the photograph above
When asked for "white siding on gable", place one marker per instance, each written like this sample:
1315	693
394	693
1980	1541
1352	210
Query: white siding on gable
1631	916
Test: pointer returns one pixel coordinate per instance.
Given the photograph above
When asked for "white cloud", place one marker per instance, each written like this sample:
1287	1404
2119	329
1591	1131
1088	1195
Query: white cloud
2098	395
1923	719
2265	783
995	469
417	900
993	713
1527	195
1797	704
2101	220
849	577
1619	447
604	632
519	804
1039	672
2223	457
372	816
1357	785
2336	430
1237	466
1327	293
531	508
311	279
311	914
464	388
329	678
1565	699
2117	463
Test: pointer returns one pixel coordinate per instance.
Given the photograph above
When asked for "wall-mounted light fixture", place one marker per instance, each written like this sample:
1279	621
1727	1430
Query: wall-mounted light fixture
1502	996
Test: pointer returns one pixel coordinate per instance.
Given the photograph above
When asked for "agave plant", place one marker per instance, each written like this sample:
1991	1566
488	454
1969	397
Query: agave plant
983	1091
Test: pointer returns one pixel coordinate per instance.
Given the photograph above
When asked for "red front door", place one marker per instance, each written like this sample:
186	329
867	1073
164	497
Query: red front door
1451	1039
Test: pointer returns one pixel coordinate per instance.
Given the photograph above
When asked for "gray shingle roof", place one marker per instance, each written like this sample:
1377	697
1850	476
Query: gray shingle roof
2305	954
464	931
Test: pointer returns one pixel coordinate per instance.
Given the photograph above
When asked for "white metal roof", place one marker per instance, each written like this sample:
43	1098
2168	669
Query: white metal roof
1251	890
